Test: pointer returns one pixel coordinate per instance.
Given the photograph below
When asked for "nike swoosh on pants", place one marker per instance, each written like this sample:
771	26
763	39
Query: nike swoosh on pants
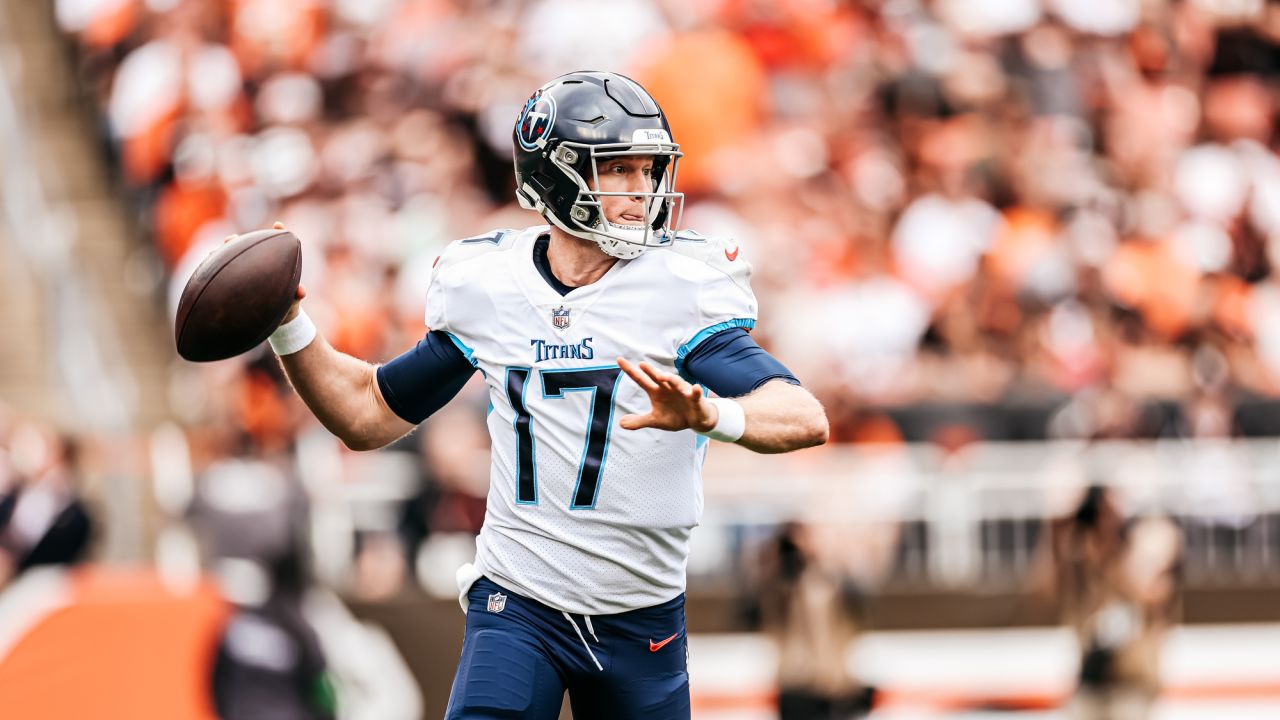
656	646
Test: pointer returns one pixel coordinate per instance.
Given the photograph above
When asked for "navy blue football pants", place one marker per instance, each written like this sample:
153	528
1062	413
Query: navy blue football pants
520	656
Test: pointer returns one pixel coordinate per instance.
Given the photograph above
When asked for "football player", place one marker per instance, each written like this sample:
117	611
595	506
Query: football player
599	336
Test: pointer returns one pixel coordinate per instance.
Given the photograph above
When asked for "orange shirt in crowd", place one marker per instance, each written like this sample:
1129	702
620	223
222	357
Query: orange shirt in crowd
111	26
1025	237
146	154
1147	275
805	34
268	34
179	213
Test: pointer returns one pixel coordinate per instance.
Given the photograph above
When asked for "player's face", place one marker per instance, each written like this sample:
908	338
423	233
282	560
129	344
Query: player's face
629	173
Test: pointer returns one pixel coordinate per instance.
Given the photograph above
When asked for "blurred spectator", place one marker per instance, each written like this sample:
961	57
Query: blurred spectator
814	614
43	521
250	514
1117	583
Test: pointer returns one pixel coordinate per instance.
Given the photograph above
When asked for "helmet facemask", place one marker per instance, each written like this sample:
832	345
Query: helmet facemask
586	215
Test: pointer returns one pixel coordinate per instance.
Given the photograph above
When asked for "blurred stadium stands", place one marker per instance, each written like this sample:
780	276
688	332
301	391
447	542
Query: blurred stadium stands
1017	248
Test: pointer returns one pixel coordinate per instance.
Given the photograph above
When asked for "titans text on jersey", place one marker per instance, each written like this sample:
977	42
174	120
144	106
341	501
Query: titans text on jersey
543	350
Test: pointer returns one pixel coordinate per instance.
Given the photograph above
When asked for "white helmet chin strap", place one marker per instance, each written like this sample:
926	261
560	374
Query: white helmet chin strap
630	241
627	241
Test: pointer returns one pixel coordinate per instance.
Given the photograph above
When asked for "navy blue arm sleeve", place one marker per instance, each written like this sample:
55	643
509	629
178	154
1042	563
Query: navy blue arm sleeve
731	364
421	380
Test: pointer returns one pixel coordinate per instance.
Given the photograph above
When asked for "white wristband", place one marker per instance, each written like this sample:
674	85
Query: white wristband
294	335
732	422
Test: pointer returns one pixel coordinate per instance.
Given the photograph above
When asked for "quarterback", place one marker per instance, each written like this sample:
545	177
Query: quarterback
602	337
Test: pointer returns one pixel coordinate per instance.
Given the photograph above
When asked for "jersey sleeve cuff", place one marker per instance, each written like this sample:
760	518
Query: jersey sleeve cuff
702	335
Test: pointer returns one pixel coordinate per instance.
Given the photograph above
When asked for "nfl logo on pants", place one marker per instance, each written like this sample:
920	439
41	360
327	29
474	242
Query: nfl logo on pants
497	602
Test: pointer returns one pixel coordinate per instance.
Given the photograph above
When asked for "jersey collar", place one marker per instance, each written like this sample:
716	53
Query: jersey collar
541	293
540	261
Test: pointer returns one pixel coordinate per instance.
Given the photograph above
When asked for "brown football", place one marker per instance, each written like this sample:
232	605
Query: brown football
238	295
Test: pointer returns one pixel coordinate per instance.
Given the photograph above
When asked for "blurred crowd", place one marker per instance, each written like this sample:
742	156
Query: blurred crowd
1075	202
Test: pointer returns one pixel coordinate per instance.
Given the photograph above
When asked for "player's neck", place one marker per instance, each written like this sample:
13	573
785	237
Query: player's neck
576	262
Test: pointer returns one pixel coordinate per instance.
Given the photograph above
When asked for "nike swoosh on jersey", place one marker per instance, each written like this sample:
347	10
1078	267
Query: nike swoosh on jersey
732	256
656	646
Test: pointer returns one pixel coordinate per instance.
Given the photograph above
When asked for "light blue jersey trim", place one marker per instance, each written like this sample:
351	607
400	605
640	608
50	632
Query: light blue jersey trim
701	337
470	353
700	442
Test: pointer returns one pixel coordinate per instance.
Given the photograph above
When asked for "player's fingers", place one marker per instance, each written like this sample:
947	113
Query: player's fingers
651	371
674	383
277	225
635	422
673	390
635	373
301	292
662	377
678	385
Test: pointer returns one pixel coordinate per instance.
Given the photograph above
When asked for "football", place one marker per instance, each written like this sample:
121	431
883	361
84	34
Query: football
237	297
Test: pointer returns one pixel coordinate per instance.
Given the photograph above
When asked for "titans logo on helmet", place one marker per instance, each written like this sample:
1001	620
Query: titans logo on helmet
535	121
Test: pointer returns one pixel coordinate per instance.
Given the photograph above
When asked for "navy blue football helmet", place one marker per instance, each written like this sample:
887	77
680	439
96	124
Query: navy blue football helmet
565	128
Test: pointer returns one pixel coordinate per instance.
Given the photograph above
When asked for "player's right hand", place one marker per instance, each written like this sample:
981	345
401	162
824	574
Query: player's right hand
297	304
300	293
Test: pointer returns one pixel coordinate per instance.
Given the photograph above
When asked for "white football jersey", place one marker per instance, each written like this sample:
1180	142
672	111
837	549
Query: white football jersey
583	515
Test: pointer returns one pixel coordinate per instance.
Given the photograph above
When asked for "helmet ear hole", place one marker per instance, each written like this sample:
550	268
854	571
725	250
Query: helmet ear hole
580	214
541	181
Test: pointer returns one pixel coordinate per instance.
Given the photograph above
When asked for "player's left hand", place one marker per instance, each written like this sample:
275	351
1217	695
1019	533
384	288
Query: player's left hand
677	405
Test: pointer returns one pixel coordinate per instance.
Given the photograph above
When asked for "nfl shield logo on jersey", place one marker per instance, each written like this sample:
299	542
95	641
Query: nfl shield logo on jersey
497	602
560	317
